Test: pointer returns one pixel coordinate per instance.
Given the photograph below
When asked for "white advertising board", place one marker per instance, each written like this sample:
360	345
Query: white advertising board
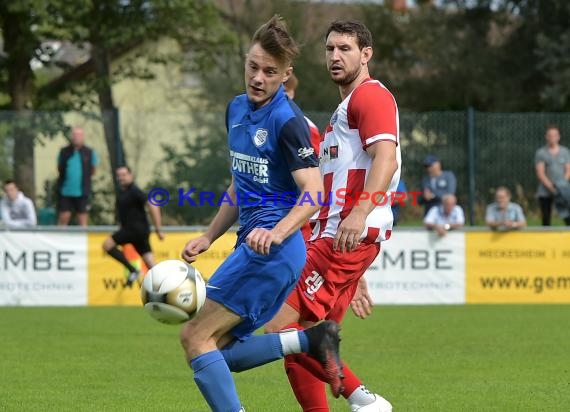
419	268
43	269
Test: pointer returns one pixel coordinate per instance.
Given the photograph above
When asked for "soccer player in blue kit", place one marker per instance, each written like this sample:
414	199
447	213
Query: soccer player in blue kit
272	161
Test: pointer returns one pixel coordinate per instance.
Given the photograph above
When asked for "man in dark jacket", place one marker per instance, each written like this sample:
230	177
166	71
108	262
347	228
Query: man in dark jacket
76	164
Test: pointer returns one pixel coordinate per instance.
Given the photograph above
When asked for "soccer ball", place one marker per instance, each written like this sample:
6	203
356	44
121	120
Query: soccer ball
173	292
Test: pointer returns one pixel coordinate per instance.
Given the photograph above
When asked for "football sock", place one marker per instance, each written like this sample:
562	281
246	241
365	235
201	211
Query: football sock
295	341
291	336
215	381
352	384
261	349
313	366
116	254
308	389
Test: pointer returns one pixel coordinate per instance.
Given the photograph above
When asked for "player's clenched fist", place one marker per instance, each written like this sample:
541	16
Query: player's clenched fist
194	247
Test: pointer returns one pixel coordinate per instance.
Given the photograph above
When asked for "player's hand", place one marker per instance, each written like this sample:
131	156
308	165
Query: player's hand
362	302
348	234
260	240
428	194
194	247
160	235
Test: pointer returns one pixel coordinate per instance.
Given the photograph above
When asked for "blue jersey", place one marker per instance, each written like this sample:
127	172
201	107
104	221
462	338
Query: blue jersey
266	145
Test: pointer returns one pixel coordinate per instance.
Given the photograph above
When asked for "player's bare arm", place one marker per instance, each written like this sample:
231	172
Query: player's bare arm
384	165
309	182
224	219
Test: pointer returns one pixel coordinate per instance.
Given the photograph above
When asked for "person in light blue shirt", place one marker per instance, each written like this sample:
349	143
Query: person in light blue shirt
76	165
503	214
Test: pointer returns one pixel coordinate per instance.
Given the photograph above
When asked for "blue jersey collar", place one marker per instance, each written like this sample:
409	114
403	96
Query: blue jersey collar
258	114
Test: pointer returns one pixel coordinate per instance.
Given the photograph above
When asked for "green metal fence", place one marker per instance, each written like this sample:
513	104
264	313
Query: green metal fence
484	150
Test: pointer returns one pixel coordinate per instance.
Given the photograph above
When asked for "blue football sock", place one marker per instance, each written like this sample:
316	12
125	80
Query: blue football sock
254	351
215	381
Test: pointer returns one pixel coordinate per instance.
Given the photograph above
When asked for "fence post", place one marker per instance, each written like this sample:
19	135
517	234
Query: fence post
471	162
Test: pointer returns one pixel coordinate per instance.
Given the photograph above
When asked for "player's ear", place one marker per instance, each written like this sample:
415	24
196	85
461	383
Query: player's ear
366	54
288	73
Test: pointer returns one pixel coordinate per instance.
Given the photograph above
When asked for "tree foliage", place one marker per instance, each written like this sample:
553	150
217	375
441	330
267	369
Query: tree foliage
108	28
201	165
491	55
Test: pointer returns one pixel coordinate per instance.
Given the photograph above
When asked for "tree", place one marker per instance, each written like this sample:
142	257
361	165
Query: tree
109	27
21	42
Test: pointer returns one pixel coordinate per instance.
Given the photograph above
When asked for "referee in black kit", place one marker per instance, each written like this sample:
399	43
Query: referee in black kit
134	227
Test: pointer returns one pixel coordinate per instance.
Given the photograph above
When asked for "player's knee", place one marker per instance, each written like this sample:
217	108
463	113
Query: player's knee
193	340
187	339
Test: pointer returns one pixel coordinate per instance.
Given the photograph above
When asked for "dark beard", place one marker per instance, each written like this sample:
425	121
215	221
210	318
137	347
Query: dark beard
349	78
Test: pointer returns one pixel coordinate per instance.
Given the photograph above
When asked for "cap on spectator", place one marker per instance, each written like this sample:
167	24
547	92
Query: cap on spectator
430	159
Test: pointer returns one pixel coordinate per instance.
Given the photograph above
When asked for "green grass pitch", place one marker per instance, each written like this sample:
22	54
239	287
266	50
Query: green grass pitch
422	358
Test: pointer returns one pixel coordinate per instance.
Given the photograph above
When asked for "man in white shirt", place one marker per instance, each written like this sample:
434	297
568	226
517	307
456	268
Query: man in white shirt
17	209
445	217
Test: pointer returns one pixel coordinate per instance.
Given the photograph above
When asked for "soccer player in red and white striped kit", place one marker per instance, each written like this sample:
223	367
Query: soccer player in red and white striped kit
359	156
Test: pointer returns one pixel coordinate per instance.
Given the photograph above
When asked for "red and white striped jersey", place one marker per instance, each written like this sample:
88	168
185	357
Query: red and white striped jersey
366	116
315	134
306	230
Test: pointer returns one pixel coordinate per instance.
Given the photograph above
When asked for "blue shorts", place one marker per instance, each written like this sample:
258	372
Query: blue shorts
255	286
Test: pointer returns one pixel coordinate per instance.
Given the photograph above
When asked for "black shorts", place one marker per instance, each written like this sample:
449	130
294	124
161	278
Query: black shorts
139	240
78	204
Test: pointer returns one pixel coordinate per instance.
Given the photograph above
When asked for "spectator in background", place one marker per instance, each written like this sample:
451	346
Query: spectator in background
17	210
446	216
552	165
134	227
503	214
396	205
76	164
436	184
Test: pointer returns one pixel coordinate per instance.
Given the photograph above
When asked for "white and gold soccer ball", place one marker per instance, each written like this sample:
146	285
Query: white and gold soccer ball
173	292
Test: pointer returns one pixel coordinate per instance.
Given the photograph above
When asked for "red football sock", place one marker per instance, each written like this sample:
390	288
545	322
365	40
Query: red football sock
306	370
308	389
350	381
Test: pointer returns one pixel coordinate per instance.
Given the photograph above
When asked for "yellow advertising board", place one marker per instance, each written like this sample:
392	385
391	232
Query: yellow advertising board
518	267
107	277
